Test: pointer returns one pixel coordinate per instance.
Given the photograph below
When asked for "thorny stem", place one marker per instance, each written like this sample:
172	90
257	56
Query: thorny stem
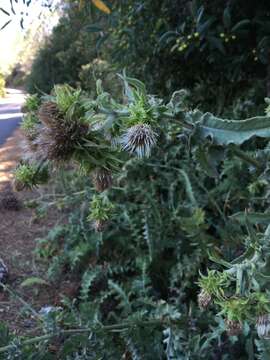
14	294
114	328
242	155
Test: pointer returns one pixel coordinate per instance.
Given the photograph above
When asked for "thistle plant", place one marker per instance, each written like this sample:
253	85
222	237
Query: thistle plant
196	150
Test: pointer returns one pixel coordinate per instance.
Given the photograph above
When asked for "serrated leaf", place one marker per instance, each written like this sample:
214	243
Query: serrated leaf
224	132
253	218
209	160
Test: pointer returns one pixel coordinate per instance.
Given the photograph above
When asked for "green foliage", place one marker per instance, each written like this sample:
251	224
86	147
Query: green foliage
30	175
70	47
100	208
174	218
2	85
190	188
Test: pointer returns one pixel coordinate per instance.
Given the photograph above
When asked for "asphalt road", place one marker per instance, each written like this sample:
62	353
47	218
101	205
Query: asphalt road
10	113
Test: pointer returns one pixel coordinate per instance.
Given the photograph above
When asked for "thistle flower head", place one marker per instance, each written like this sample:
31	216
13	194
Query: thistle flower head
139	139
49	114
234	327
204	299
102	179
263	326
100	225
58	142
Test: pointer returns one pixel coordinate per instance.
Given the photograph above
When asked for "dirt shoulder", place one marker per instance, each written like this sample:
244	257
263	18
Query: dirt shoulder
18	231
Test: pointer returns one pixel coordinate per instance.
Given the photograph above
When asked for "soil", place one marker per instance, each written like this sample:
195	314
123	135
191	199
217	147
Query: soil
19	230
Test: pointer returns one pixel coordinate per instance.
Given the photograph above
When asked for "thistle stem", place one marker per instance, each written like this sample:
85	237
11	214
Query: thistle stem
98	328
242	155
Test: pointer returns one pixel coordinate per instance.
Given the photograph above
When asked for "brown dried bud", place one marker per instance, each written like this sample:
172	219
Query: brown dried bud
58	142
204	299
100	225
102	179
234	327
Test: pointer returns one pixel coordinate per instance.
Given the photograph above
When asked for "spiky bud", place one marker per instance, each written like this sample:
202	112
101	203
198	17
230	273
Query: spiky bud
234	327
263	326
204	299
102	179
139	139
49	113
29	175
100	225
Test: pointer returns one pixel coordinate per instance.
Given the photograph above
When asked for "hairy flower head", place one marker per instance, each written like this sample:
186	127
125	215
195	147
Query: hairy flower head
139	139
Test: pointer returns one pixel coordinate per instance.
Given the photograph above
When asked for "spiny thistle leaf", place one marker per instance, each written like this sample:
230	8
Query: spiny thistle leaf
225	132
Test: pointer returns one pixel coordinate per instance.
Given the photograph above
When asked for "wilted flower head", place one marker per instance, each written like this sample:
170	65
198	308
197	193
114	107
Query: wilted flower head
204	299
57	142
100	225
49	113
139	139
234	327
102	179
57	137
263	326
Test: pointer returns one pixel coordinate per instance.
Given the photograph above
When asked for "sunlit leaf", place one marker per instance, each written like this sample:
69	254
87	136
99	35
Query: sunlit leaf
101	6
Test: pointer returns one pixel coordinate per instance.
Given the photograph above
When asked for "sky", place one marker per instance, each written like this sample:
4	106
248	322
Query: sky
11	37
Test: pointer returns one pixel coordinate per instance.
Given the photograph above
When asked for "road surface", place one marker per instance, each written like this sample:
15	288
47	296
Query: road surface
10	113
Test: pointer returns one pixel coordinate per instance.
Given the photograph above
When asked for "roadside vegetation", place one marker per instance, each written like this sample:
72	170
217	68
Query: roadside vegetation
150	123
